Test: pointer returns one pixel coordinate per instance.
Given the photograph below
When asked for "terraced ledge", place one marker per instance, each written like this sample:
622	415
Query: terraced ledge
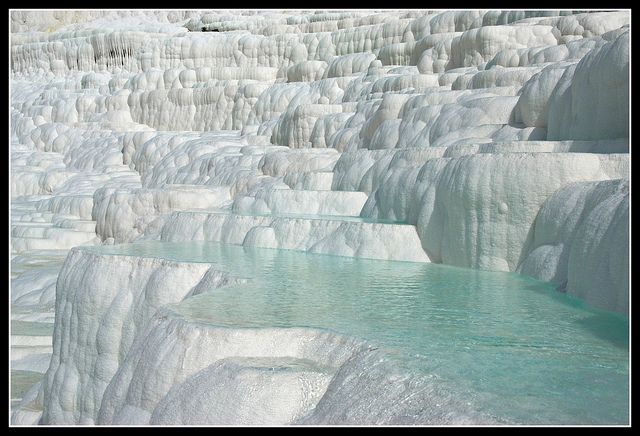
286	201
103	302
267	376
131	353
325	236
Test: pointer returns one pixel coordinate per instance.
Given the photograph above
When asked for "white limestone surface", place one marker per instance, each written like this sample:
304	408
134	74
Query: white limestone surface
343	237
478	138
462	206
579	243
102	302
189	373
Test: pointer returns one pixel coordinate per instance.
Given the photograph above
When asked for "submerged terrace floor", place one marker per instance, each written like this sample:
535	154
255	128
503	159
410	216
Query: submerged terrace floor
512	346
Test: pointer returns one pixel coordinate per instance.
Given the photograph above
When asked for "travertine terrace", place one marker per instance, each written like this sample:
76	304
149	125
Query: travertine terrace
483	139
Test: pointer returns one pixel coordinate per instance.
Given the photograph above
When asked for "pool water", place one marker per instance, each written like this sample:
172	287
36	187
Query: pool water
522	350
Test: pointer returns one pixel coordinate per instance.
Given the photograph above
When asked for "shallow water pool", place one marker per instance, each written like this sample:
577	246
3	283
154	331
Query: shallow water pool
521	350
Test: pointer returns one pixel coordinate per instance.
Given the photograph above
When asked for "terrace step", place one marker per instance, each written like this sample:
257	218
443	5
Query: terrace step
342	236
287	201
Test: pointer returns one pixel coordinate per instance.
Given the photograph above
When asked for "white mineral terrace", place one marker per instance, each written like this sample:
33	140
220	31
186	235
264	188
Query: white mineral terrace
262	217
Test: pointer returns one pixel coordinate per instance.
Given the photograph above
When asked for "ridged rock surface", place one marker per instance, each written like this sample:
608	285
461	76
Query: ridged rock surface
494	140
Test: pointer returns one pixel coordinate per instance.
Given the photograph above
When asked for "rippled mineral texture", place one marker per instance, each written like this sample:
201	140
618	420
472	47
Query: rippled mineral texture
495	140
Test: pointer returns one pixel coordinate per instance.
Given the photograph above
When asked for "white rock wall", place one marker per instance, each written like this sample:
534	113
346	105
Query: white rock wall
102	302
499	196
580	243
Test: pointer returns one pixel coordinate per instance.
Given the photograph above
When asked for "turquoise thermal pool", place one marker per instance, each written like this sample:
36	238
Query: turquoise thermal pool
517	348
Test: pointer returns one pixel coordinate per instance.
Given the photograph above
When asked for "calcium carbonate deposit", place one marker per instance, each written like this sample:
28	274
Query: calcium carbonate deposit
261	217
